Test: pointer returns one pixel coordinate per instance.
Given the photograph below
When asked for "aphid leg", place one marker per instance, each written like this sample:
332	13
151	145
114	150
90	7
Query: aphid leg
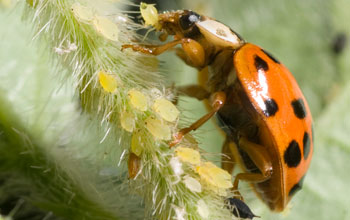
260	158
227	158
151	49
218	100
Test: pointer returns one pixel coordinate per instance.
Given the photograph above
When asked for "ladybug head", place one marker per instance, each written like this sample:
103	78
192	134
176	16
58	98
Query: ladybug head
188	20
181	23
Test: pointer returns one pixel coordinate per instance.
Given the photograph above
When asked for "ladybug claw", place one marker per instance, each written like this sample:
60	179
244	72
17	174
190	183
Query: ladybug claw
177	138
240	209
125	46
237	195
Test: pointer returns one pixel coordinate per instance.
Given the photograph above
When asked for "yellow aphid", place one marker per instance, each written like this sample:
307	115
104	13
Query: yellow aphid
106	27
127	120
158	128
166	109
82	13
138	100
192	184
137	143
202	209
30	2
214	176
188	155
107	81
149	14
7	3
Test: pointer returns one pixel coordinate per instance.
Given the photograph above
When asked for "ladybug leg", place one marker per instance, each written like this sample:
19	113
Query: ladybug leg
227	159
192	53
260	158
218	100
134	164
182	55
195	91
151	49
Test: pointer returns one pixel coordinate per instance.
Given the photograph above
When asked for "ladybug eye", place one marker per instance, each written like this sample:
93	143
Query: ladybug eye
188	20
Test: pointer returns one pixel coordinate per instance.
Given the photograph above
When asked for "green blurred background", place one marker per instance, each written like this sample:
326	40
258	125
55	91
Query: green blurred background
301	34
306	36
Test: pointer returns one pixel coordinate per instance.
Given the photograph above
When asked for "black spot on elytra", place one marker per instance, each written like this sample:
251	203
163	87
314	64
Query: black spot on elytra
240	209
296	187
271	107
306	145
292	155
270	56
299	108
260	63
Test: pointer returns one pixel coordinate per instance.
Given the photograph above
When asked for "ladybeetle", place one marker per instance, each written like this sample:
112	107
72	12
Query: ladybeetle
256	100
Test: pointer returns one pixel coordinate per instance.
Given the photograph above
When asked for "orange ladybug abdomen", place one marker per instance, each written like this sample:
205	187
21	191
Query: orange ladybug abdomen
285	121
